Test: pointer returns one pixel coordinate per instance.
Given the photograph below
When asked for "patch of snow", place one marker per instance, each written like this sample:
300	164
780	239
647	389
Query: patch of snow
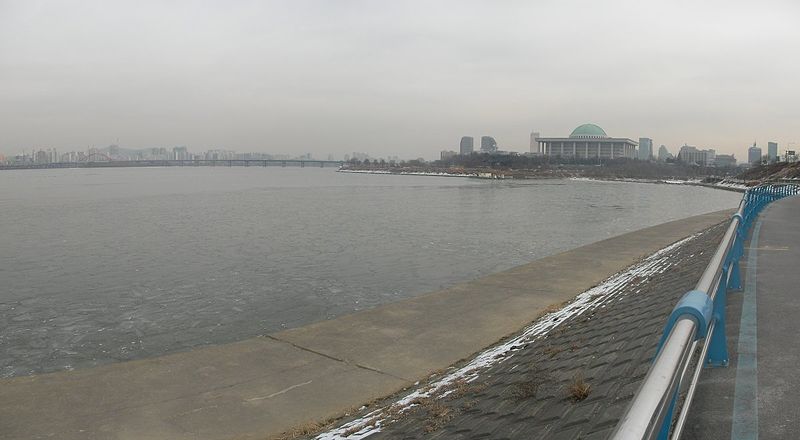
408	173
343	170
729	184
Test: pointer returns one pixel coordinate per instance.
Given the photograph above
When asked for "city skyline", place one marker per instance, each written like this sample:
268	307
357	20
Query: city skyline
330	78
139	153
115	153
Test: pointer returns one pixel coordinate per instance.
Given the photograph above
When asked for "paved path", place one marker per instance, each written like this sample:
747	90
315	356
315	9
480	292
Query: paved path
759	395
264	386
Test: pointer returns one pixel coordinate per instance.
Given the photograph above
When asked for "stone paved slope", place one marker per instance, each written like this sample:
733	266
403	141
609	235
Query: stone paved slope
529	387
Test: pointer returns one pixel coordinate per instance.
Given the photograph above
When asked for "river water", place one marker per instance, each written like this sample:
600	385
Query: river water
106	265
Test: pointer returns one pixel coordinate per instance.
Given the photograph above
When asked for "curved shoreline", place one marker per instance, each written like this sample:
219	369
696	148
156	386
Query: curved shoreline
723	185
421	173
266	385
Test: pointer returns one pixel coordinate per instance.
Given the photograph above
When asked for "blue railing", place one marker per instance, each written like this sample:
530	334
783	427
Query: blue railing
699	317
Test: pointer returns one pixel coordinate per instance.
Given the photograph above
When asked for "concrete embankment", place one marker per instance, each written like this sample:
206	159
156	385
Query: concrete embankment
266	385
568	376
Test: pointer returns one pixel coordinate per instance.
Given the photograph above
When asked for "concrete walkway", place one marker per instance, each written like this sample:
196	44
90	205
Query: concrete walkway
757	397
777	286
264	386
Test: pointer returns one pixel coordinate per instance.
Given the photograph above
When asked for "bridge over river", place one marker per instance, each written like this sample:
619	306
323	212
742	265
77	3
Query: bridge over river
180	163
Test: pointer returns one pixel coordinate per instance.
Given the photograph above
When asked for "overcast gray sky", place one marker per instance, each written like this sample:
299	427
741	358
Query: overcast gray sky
395	78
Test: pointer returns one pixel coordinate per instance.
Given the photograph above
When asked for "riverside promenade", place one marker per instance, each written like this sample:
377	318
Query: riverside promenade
268	385
757	395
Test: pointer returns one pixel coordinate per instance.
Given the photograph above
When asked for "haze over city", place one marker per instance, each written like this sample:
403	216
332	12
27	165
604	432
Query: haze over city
394	79
352	219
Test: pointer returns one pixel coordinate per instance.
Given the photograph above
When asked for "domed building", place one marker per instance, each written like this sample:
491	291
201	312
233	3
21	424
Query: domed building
588	131
587	141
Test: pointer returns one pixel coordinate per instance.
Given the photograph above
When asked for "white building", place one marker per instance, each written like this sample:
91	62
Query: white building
588	141
694	155
535	142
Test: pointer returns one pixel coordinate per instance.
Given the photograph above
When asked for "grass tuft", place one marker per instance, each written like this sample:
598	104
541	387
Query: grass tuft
300	431
579	389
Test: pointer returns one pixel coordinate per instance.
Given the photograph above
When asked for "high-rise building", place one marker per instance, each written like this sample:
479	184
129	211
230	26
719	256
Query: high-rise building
663	153
467	145
41	156
488	144
534	142
180	153
772	151
693	155
645	149
754	155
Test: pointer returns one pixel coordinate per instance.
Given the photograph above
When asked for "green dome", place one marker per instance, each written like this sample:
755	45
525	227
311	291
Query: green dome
588	130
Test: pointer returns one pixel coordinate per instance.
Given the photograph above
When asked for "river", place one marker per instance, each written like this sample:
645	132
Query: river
106	265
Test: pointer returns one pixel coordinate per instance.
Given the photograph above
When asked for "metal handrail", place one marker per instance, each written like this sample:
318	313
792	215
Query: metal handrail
700	314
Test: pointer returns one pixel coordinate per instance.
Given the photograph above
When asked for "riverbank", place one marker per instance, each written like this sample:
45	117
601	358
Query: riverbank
569	375
413	173
285	380
721	184
518	167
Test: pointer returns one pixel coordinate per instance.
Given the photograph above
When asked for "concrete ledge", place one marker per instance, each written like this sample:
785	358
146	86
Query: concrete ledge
263	386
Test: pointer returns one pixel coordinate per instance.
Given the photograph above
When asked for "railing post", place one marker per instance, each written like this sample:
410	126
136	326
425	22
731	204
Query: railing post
736	277
666	425
718	349
737	250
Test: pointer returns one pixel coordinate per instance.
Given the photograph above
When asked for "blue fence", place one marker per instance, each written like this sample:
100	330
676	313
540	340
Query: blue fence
699	317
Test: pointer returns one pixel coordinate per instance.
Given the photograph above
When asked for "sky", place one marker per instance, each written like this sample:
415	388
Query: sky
403	79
